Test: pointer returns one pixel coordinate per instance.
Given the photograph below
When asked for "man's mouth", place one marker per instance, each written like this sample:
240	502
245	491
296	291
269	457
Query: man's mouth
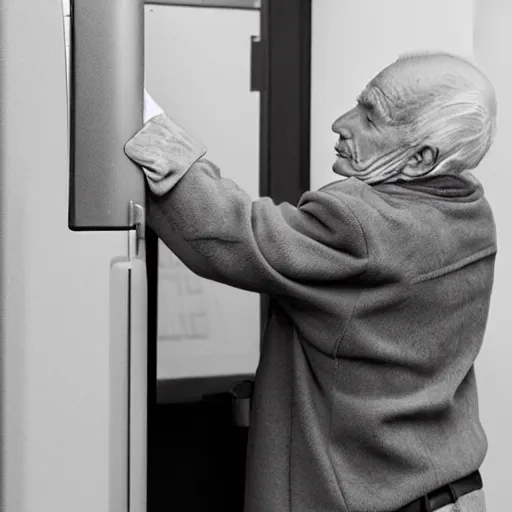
340	153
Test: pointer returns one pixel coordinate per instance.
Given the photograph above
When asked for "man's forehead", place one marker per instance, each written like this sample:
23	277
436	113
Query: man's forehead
373	98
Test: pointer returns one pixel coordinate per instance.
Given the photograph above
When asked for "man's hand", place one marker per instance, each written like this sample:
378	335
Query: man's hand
151	108
163	149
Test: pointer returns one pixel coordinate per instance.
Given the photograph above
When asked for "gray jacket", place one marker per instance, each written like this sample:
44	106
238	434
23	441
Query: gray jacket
365	395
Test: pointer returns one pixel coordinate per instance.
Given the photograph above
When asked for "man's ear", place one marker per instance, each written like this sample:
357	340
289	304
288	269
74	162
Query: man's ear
421	162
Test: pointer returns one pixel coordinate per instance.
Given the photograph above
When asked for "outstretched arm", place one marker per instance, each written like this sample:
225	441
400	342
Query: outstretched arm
221	234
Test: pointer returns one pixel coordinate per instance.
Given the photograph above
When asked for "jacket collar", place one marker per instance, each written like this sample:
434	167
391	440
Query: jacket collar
446	185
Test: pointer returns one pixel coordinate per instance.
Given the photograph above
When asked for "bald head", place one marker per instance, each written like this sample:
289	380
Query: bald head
442	101
425	114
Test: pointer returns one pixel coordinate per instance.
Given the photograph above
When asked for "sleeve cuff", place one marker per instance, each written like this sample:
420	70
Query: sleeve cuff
164	151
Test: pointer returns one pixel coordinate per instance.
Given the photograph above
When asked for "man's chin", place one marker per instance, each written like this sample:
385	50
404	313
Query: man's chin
342	166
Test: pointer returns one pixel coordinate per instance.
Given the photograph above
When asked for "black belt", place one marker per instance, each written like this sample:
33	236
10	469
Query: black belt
445	495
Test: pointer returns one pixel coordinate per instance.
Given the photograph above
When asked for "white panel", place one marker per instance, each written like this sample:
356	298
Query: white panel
119	379
198	70
352	40
493	40
138	385
55	287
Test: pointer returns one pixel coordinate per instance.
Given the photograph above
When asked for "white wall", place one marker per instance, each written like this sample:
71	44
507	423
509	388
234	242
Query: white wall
352	41
493	41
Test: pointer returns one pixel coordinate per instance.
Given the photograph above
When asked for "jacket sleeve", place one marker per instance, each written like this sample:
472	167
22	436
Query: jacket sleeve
221	234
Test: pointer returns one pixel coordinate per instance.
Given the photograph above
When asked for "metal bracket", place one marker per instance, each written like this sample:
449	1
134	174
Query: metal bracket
258	82
137	219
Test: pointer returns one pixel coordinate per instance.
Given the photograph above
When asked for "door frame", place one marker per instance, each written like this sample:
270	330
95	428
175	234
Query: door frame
285	105
285	100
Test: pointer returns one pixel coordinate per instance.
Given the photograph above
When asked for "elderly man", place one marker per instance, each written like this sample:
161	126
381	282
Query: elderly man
365	396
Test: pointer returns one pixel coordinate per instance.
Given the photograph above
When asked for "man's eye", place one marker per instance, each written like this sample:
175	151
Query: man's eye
369	120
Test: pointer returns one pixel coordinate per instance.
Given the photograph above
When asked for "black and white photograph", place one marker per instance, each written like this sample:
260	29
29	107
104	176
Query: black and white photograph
254	255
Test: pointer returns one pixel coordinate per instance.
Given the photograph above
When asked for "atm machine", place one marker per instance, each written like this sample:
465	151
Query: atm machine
125	377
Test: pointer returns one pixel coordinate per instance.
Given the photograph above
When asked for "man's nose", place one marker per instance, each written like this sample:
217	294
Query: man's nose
342	125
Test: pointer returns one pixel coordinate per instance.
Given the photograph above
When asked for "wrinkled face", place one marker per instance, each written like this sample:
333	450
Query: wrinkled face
408	119
368	143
